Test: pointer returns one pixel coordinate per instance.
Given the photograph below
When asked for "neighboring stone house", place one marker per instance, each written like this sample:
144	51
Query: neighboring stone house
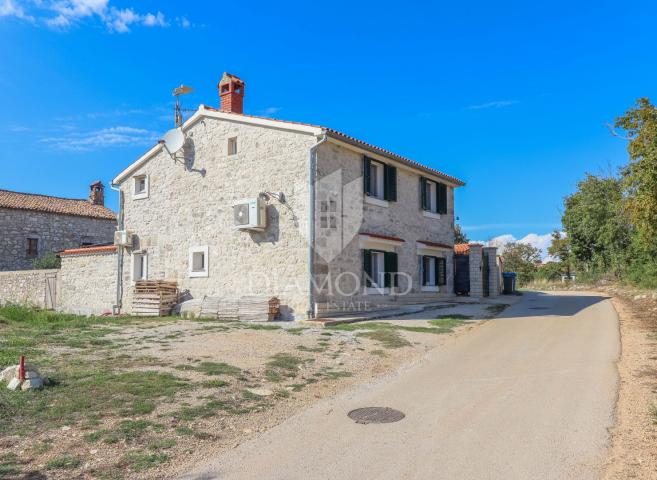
33	225
382	229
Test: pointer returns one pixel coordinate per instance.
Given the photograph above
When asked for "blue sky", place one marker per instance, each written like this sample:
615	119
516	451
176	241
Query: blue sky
512	97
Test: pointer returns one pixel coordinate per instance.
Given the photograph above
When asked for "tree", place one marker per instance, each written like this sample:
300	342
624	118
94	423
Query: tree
459	235
523	259
598	232
639	177
560	249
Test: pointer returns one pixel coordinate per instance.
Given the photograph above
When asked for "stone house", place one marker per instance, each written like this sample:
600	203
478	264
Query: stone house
33	225
254	205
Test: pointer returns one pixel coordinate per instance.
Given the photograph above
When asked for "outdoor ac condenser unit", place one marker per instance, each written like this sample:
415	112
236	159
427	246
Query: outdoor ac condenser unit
250	214
123	238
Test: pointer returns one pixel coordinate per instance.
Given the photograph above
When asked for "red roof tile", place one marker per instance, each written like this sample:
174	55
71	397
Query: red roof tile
89	250
58	205
464	248
358	142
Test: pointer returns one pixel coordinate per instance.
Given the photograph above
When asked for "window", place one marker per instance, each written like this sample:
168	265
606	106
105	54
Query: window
433	196
139	266
433	271
32	248
380	180
232	146
380	269
140	187
198	261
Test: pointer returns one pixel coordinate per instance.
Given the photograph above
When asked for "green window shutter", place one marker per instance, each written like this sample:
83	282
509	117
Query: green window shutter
441	192
390	182
367	267
441	271
391	266
424	201
367	168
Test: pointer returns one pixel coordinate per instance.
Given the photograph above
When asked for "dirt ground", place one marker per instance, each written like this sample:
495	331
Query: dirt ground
633	451
239	380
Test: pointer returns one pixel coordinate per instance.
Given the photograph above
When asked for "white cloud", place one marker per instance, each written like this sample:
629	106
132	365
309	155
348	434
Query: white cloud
120	136
271	110
494	104
540	241
183	22
64	14
9	8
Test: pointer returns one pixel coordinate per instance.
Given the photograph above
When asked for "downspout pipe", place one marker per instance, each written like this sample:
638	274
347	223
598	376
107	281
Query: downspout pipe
119	254
312	181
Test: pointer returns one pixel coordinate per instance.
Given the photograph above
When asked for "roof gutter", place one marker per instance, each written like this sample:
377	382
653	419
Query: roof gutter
312	180
412	165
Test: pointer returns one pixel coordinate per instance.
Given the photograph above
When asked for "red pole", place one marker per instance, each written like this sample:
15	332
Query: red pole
21	369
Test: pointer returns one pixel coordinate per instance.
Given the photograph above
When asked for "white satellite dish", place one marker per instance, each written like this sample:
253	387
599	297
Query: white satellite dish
174	140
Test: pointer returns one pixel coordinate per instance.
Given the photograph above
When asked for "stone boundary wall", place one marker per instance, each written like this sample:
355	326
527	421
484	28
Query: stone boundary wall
87	283
25	287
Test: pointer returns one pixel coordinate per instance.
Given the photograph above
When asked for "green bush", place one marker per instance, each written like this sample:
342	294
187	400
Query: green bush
48	261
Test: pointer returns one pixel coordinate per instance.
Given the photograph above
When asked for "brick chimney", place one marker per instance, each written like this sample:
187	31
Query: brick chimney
97	193
231	93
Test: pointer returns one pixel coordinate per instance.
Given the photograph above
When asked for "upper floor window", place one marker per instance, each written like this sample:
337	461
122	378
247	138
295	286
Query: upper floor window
433	196
380	180
32	248
232	146
140	186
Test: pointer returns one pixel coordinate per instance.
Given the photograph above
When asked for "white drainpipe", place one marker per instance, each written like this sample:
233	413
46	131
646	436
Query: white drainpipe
312	174
119	255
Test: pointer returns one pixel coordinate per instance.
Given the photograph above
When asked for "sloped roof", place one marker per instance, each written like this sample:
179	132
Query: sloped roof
204	110
58	205
353	140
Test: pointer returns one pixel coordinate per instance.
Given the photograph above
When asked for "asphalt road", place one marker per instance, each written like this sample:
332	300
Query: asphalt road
529	395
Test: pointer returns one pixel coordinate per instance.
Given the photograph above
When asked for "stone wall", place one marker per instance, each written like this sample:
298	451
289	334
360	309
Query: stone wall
402	219
192	206
476	279
54	233
26	287
494	286
87	283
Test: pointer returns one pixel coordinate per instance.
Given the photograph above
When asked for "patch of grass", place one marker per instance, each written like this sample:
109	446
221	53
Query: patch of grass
162	444
214	368
295	330
281	393
380	353
138	461
42	447
133	429
139	407
387	338
9	465
257	326
297	387
216	383
65	462
183	430
447	323
78	393
283	365
334	375
318	349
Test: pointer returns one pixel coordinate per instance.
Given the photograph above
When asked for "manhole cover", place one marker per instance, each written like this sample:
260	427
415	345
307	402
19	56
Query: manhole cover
375	415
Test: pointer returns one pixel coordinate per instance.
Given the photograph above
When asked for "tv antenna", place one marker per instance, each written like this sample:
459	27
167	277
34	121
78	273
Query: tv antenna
177	111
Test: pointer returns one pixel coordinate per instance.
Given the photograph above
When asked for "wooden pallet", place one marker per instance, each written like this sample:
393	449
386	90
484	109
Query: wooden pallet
154	298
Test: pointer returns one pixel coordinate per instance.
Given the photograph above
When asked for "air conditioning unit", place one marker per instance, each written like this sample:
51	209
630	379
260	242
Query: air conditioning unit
123	238
250	214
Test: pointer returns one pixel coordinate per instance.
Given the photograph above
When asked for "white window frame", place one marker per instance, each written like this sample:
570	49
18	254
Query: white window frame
206	262
232	146
143	256
142	194
377	179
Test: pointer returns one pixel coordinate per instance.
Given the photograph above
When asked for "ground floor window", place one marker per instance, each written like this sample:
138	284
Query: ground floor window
380	269
198	261
139	266
433	271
